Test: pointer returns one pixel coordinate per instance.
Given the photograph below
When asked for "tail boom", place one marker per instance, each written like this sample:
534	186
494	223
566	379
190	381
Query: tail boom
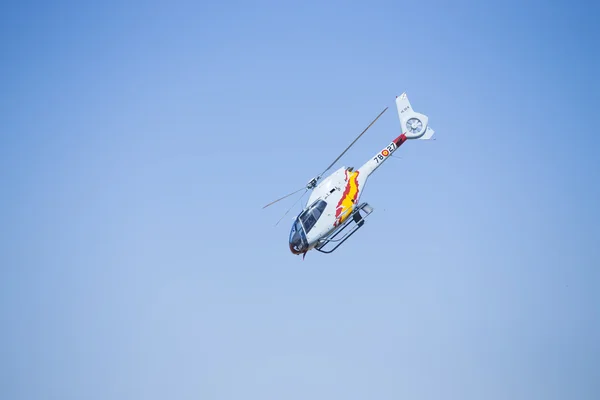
370	166
413	125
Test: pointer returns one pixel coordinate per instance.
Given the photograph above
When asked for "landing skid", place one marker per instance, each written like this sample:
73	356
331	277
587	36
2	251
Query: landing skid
359	221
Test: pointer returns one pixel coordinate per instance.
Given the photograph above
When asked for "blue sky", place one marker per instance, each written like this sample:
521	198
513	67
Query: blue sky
140	140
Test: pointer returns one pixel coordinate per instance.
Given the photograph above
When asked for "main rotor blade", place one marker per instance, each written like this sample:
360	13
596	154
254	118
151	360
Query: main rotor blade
284	197
290	209
358	137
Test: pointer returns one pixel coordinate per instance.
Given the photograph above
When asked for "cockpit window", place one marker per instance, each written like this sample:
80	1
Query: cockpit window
309	217
296	229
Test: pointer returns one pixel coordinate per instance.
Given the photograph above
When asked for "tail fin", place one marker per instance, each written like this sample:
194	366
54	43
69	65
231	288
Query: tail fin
414	125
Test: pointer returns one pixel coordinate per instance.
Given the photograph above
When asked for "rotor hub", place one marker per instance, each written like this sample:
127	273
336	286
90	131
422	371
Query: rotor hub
312	183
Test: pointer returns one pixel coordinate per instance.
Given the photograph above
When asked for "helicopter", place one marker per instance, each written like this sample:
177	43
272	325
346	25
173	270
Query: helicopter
333	212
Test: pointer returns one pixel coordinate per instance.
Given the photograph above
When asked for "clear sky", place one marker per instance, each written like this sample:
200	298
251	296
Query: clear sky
140	140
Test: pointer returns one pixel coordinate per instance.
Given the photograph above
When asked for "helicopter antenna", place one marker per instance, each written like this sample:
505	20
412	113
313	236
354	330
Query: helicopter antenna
351	144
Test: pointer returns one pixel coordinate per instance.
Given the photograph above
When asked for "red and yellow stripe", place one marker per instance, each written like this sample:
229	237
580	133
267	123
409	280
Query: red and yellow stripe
349	198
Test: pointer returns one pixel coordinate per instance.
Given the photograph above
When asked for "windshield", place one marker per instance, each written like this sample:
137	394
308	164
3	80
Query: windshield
303	224
309	217
296	229
298	242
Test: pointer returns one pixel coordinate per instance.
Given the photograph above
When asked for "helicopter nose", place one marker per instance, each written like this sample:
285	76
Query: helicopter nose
296	246
293	249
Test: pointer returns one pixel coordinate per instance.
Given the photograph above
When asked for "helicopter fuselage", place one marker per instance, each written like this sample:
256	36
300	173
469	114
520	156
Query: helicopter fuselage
334	200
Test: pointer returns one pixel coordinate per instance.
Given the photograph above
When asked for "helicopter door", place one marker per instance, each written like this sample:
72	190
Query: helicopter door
309	217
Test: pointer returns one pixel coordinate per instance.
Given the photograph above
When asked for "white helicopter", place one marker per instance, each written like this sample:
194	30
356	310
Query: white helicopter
334	202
